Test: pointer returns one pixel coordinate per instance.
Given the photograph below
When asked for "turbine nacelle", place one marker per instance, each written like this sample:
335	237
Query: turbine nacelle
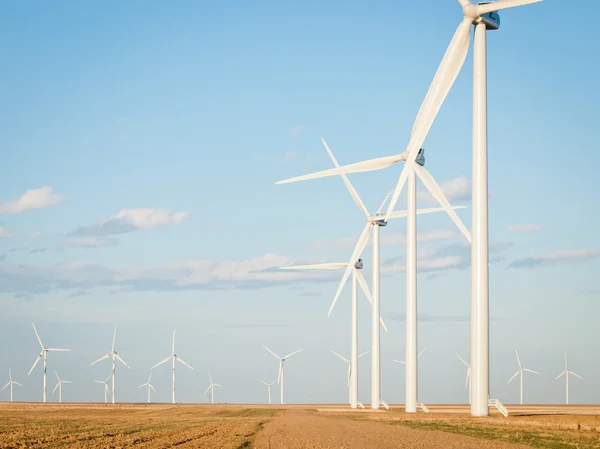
359	264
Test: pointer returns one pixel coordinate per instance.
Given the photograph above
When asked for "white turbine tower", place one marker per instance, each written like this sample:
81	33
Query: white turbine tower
411	306
484	16
467	381
350	374
106	389
520	372
211	387
59	386
10	384
280	372
566	373
43	355
115	356
149	385
173	357
269	388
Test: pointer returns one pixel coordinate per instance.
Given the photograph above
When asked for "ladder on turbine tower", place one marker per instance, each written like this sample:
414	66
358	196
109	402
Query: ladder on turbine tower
423	407
501	408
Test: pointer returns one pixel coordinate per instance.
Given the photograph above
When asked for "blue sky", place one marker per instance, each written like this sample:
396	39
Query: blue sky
140	146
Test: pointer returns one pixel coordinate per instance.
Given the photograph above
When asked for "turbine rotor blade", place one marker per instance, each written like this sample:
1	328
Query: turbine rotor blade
114	338
122	361
559	376
364	353
271	352
38	336
518	359
343	358
576	375
530	371
181	361
399	361
291	354
516	374
100	359
318	266
497	6
364	287
160	363
36	362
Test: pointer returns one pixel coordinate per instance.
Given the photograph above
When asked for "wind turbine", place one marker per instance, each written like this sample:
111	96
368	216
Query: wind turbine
280	372
566	373
59	386
402	362
211	387
174	357
106	390
269	388
484	16
406	399
411	306
468	376
149	385
115	356
10	384
43	355
350	389
520	372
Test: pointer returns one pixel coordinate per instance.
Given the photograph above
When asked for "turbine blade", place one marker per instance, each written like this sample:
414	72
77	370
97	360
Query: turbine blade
349	185
265	383
358	167
17	383
530	371
576	375
439	196
36	362
399	361
358	249
497	6
271	352
518	359
291	354
56	387
559	376
467	379
67	381
57	375
210	378
206	391
217	385
343	358
143	385
364	353
38	336
100	359
173	347
383	203
5	386
421	353
280	370
181	361
122	361
160	363
318	266
443	80
461	359
151	387
516	374
364	287
114	338
56	349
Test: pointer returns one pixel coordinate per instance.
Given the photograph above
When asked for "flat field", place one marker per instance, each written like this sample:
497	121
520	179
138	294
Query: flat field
292	426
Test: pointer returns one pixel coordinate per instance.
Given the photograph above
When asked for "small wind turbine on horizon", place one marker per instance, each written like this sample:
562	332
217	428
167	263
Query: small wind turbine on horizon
10	384
106	389
402	362
115	356
520	371
149	385
59	386
566	373
43	355
280	373
349	362
269	388
211	387
174	357
468	380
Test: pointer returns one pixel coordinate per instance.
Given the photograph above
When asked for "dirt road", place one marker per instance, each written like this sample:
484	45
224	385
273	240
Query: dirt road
299	429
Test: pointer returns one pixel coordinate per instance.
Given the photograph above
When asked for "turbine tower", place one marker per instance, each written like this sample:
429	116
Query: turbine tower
350	374
115	356
10	384
280	372
269	388
484	16
211	387
43	355
467	381
520	372
106	389
566	373
59	386
173	357
149	385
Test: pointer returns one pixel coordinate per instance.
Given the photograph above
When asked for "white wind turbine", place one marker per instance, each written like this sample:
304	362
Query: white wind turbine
10	384
173	357
402	362
43	355
149	385
106	389
269	388
520	372
211	387
467	381
350	389
566	373
375	222
280	372
59	386
115	356
484	16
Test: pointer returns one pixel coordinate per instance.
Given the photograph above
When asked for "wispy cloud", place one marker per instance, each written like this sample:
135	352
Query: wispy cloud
556	257
129	220
457	189
4	233
31	200
90	242
524	228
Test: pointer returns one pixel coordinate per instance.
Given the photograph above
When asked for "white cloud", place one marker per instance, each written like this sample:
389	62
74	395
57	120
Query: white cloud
4	233
524	228
93	241
31	200
556	257
457	189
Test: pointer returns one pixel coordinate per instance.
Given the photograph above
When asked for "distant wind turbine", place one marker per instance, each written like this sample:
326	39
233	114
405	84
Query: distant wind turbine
59	386
115	356
149	385
349	362
43	355
566	373
467	381
211	387
173	357
520	371
106	389
418	357
10	384
280	373
269	388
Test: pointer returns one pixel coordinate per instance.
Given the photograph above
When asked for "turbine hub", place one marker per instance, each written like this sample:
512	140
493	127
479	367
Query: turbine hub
359	264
